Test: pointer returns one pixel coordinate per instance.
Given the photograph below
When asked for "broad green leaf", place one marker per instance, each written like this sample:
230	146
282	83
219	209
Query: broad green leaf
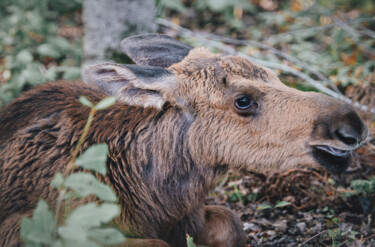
71	73
32	74
57	243
264	205
87	243
60	43
85	184
85	101
281	204
92	215
94	158
105	103
48	50
38	230
57	181
24	57
106	236
72	233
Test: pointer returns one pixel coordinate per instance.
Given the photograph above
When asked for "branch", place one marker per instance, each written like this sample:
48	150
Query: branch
350	22
354	33
285	68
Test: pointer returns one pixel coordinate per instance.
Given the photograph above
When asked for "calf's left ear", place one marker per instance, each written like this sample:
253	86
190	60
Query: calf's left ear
155	49
135	85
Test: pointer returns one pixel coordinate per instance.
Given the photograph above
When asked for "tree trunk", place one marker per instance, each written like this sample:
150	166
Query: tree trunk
107	22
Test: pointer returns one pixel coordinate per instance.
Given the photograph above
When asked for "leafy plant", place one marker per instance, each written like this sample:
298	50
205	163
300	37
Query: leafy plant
365	190
267	205
85	224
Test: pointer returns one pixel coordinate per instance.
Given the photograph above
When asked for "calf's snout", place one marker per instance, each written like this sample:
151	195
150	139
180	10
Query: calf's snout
339	122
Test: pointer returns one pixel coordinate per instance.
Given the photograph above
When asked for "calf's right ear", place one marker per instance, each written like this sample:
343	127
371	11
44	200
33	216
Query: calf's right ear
136	85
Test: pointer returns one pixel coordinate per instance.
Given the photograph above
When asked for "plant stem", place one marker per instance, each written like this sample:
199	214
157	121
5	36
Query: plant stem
57	212
81	139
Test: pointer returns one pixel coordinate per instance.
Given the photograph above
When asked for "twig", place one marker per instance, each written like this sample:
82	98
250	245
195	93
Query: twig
229	50
367	31
369	237
316	235
57	210
354	33
350	22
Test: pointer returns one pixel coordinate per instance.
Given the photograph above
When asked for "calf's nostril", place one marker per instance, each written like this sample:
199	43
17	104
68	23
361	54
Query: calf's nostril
348	135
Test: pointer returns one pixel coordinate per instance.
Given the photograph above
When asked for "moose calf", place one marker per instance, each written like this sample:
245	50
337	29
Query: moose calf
183	117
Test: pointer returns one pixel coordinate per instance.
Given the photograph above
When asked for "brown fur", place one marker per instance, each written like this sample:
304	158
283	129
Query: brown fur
162	162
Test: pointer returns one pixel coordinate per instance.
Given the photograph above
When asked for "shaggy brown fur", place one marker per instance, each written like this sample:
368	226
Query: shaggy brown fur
169	141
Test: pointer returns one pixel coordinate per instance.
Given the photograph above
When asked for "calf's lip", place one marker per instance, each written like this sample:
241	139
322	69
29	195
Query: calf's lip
334	157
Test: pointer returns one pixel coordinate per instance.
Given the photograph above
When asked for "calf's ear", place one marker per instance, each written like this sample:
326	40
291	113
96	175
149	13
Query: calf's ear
133	84
155	49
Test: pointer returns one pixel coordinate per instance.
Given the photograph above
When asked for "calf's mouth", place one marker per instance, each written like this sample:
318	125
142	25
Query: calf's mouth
335	160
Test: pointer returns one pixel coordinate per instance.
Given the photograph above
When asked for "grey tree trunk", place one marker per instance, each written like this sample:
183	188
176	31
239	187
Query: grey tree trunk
107	22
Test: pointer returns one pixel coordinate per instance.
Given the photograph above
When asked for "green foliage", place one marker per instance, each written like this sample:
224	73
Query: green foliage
86	224
278	204
365	191
30	48
318	35
93	158
330	212
190	241
339	235
236	195
363	187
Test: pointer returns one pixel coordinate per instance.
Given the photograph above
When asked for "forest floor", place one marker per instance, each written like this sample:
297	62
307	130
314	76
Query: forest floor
300	207
306	207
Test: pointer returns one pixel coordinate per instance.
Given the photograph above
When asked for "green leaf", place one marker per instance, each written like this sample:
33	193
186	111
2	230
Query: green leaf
72	73
105	103
24	57
85	101
264	205
73	233
32	74
38	230
61	44
106	236
176	5
92	215
85	184
48	50
280	204
94	158
57	243
57	181
190	241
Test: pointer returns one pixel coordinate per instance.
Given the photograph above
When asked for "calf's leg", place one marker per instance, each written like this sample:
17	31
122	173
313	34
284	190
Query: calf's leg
222	228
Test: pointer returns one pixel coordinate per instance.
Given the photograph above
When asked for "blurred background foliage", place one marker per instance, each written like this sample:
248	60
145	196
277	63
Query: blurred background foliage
335	38
40	41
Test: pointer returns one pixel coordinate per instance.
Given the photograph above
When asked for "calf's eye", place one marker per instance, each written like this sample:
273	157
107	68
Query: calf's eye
246	104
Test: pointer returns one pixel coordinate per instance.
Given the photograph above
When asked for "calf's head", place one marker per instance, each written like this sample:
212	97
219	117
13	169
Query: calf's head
239	114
